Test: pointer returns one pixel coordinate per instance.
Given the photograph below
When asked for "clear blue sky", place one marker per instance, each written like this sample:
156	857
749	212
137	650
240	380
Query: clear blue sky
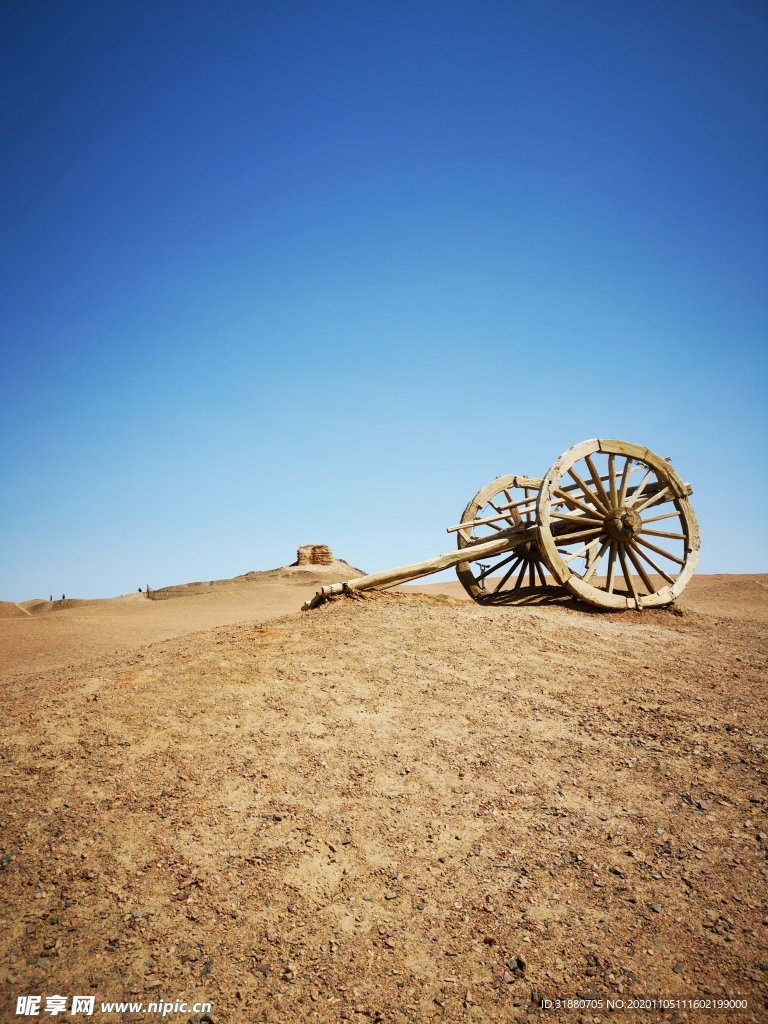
289	272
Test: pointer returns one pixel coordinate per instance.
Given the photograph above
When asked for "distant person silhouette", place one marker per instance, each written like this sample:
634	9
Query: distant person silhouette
139	589
51	598
63	598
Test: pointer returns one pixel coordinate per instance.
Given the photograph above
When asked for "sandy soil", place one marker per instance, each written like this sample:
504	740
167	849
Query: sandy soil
60	633
403	807
740	597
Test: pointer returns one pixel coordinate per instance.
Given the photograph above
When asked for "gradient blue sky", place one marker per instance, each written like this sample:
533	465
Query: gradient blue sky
289	272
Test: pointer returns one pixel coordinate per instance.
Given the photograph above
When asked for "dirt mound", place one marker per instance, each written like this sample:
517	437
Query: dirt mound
37	606
393	806
9	610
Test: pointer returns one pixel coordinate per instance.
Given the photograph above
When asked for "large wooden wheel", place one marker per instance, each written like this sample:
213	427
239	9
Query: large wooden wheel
505	502
616	526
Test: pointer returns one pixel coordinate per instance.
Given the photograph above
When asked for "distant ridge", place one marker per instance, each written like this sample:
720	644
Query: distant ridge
300	575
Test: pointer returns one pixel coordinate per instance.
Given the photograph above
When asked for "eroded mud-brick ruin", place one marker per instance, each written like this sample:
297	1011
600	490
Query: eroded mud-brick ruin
314	554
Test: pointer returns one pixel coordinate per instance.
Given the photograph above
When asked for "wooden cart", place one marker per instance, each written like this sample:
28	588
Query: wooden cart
611	521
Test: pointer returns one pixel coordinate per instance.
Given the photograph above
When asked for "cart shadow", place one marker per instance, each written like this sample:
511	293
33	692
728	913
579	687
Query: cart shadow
529	595
550	596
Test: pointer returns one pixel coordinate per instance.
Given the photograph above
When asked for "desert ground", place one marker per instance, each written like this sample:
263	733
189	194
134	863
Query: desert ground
406	806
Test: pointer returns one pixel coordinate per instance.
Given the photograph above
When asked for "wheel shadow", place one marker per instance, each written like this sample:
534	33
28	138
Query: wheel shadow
529	595
550	596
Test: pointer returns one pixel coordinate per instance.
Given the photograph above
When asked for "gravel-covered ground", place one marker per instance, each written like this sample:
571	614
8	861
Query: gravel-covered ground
399	807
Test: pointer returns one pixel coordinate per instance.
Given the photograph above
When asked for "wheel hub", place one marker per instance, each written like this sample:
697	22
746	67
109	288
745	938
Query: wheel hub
623	523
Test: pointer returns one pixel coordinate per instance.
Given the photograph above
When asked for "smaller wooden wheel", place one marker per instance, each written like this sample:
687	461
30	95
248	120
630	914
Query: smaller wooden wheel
616	526
505	502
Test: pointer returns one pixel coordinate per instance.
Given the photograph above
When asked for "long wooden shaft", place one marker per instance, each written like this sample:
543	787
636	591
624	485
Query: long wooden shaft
393	577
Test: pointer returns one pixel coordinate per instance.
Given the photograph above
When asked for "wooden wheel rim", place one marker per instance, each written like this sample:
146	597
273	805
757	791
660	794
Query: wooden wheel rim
621	549
529	560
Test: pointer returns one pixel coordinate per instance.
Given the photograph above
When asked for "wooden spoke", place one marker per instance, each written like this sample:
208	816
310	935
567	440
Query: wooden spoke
656	519
567	538
521	577
590	494
640	569
612	481
575	519
639	489
576	554
507	495
605	478
506	576
589	556
531	573
662	533
540	570
628	575
485	521
650	561
597	481
659	551
611	567
655	499
574	503
494	568
591	570
624	483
